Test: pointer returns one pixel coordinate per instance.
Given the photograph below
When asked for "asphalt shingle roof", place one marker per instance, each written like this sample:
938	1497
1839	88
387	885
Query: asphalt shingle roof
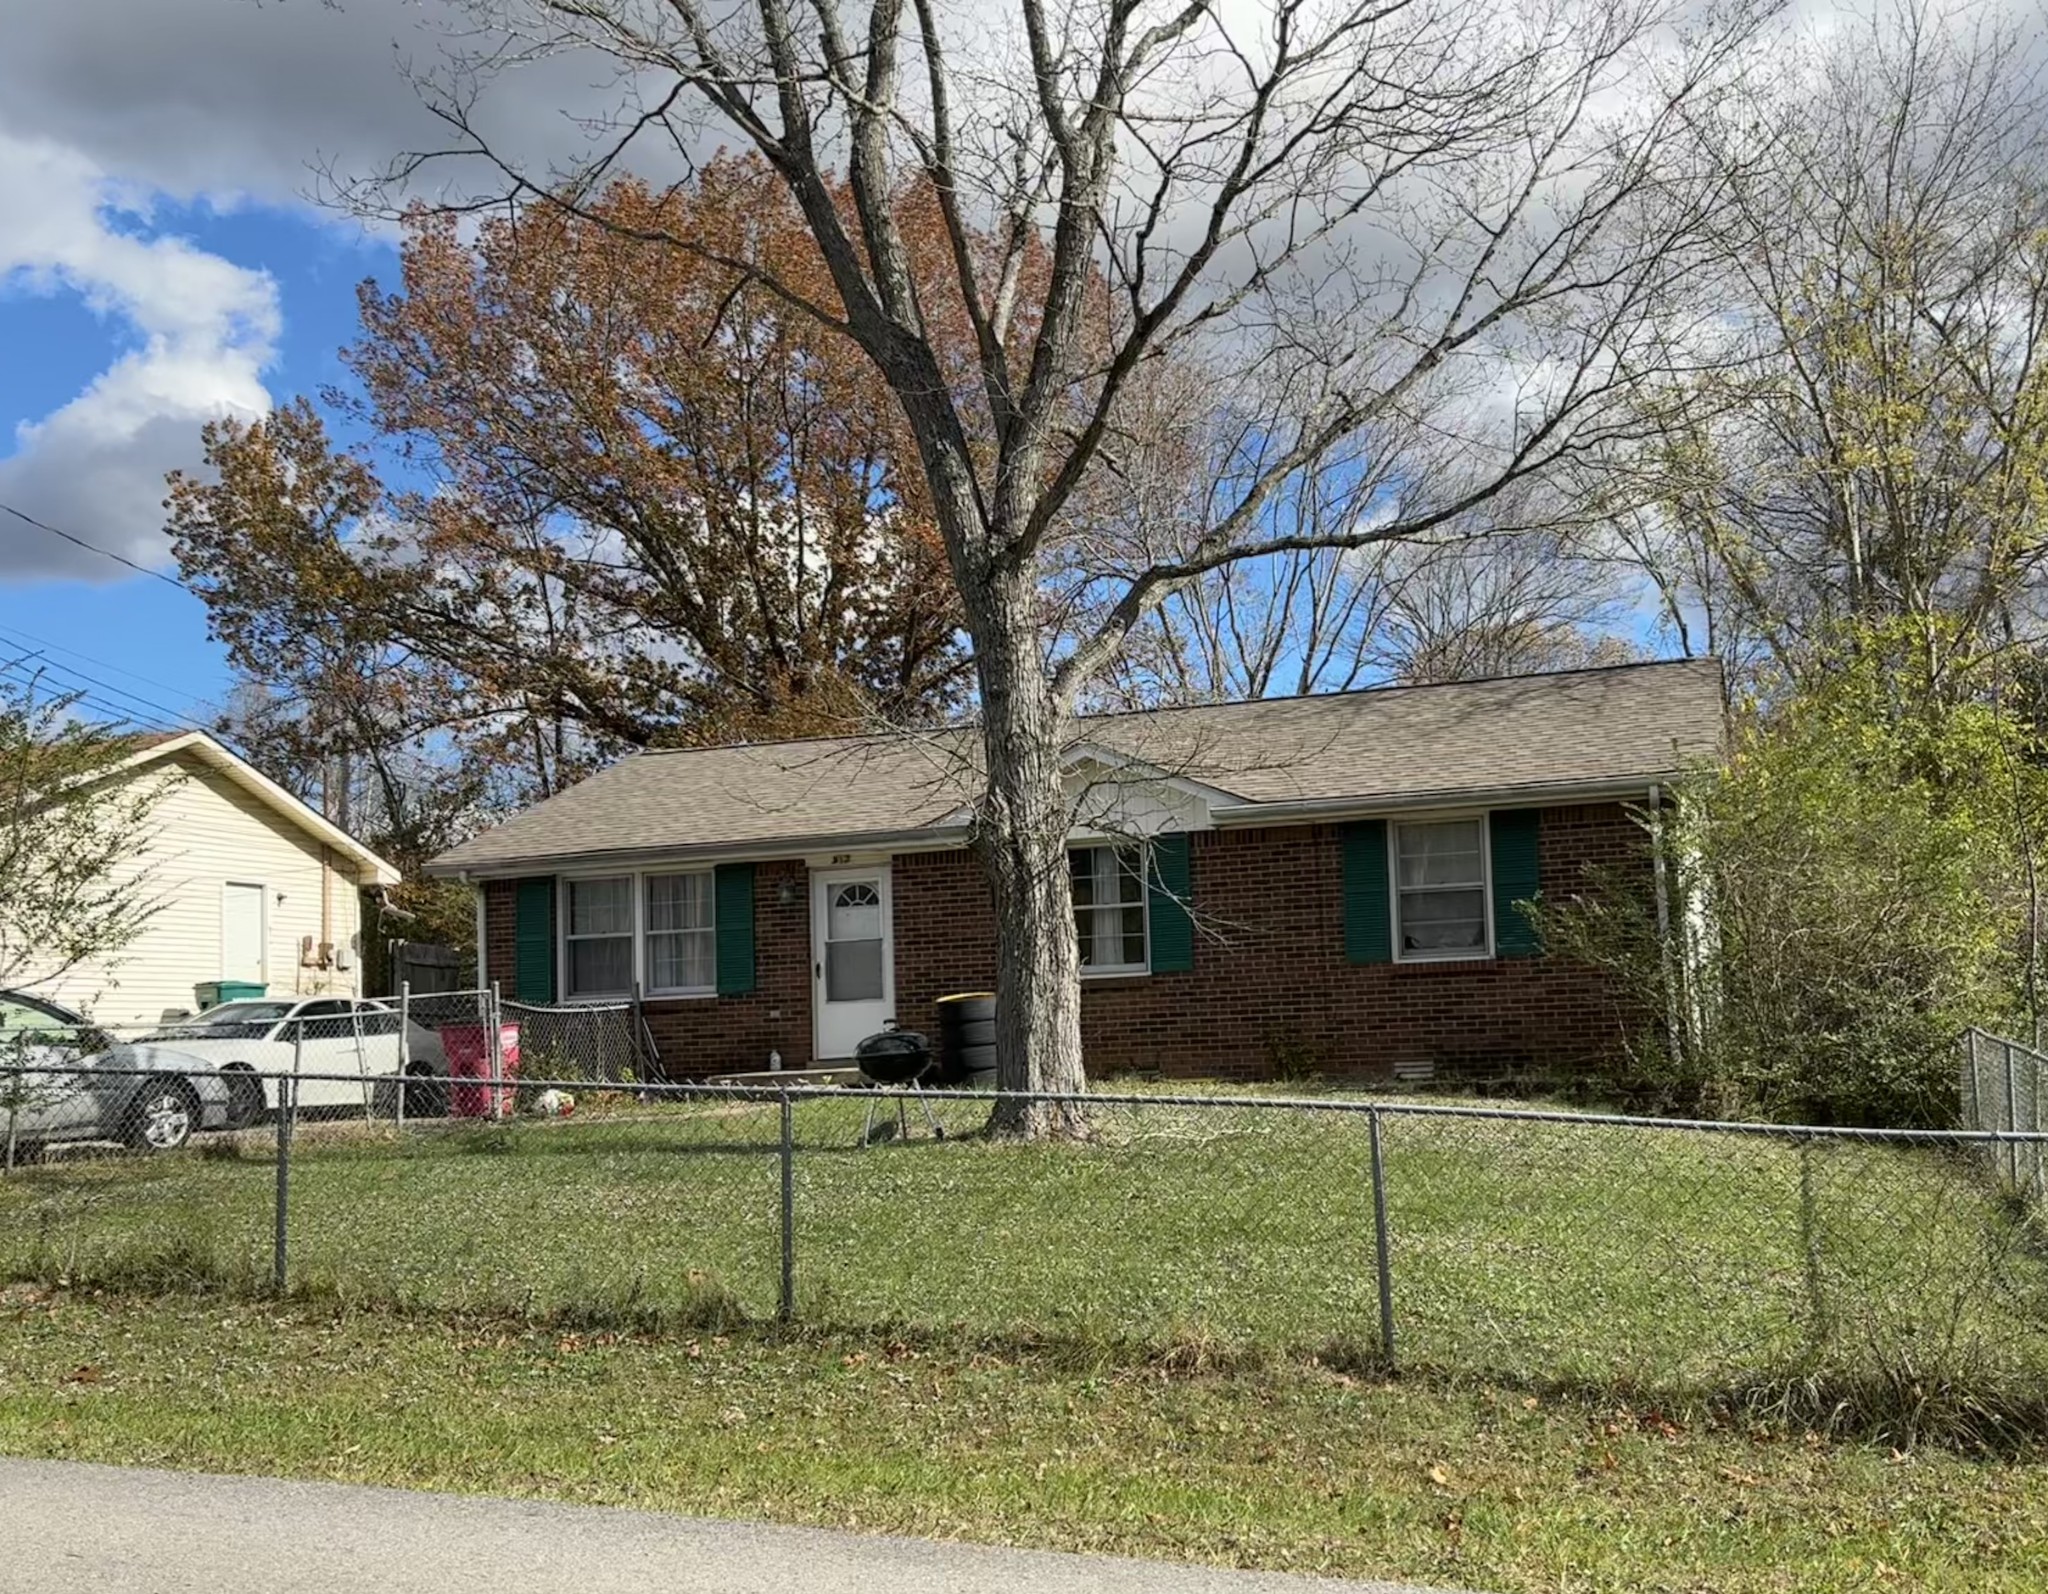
1624	725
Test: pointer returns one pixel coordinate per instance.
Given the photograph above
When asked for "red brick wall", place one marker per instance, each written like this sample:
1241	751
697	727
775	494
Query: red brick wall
725	1034
1271	982
1270	987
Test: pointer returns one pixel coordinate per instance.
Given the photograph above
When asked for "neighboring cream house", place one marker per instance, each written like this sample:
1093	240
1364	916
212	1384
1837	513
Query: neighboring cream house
250	884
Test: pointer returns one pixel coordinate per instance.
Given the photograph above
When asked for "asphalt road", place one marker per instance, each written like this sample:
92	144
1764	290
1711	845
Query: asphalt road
112	1530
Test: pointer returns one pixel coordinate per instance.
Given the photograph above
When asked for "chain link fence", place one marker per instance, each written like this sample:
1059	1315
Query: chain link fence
1546	1248
2002	1087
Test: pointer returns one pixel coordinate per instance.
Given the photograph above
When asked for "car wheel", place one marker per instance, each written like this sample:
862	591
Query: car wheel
163	1116
245	1098
426	1095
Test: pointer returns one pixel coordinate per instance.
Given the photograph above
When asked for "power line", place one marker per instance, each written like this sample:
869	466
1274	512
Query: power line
116	712
30	639
77	682
72	670
93	547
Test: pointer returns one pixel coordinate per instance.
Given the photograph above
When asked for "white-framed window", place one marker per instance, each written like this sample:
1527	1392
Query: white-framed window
1109	908
597	937
682	950
1441	906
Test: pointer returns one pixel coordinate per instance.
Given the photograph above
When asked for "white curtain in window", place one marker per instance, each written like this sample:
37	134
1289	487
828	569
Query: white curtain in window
681	948
600	937
1109	906
1441	869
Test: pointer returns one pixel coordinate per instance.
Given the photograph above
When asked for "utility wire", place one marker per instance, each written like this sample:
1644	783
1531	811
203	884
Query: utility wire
31	640
93	547
72	680
24	676
34	653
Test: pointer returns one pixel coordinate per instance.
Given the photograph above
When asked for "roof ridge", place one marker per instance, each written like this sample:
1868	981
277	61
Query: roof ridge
1381	690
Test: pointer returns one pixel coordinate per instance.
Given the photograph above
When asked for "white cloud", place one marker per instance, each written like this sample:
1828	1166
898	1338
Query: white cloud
201	329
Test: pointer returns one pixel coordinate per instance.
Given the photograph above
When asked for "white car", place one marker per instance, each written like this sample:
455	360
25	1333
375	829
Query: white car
255	1046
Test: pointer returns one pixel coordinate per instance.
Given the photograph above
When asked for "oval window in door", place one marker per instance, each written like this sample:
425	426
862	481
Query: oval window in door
853	943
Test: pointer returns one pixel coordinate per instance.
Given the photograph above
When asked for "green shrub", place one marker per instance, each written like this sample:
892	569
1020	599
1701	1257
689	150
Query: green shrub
1845	896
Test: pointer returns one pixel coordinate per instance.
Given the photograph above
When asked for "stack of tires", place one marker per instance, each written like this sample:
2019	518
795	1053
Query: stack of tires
967	1040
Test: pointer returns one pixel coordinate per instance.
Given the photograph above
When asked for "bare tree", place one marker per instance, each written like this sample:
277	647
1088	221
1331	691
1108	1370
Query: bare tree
1879	456
1456	608
1426	236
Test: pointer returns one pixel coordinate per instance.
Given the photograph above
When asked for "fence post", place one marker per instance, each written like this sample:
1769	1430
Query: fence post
787	1304
1382	1256
639	1069
497	1021
14	1092
287	1110
404	1046
2012	1119
1975	1118
1819	1329
2034	1150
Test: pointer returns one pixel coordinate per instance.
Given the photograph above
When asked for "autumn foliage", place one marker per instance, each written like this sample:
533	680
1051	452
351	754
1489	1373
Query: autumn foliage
614	493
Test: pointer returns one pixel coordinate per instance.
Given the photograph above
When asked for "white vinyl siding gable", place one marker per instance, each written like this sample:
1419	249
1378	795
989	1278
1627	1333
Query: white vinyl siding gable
206	832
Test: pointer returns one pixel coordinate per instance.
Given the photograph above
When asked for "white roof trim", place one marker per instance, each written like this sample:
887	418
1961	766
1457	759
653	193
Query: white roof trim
1149	773
1140	772
371	869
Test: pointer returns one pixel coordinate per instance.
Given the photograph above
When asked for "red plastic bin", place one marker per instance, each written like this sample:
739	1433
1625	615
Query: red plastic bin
468	1049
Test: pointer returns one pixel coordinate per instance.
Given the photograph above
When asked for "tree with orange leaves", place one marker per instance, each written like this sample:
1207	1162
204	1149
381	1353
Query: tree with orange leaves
629	497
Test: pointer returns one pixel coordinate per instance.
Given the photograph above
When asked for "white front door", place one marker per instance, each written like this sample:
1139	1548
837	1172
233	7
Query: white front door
853	973
242	911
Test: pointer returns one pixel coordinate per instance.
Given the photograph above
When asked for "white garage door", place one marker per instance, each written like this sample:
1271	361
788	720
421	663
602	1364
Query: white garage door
241	931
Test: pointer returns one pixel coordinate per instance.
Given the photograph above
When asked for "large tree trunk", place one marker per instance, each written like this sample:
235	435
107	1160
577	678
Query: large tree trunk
1021	836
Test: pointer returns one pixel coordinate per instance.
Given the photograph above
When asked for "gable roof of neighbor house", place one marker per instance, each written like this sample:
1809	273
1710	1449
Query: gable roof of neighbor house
371	870
1572	734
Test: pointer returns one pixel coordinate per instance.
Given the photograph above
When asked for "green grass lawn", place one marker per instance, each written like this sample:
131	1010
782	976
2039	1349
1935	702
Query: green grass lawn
1669	1262
1290	1464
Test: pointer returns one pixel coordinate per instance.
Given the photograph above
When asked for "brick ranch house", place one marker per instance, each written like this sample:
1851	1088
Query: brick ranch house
1322	883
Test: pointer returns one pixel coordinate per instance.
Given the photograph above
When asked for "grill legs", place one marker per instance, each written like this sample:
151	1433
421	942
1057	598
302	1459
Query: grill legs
875	1105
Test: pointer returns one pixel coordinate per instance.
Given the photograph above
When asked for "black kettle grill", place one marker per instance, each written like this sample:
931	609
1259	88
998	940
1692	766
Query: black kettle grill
898	1058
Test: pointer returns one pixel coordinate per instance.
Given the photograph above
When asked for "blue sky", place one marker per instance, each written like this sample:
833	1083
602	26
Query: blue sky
135	644
162	264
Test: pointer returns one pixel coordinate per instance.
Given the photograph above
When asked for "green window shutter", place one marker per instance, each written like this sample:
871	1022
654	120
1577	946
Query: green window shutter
533	939
1368	937
1516	878
1173	931
733	889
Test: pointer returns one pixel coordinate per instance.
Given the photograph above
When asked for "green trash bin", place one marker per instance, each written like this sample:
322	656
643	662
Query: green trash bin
211	993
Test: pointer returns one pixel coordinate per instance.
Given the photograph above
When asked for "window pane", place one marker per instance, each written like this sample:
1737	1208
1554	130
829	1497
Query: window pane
681	961
1109	906
1443	921
601	967
853	971
17	1018
1446	854
1081	867
1134	936
601	907
855	913
678	902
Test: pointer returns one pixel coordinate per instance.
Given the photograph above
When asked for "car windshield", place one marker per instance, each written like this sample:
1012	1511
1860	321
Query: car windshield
229	1021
